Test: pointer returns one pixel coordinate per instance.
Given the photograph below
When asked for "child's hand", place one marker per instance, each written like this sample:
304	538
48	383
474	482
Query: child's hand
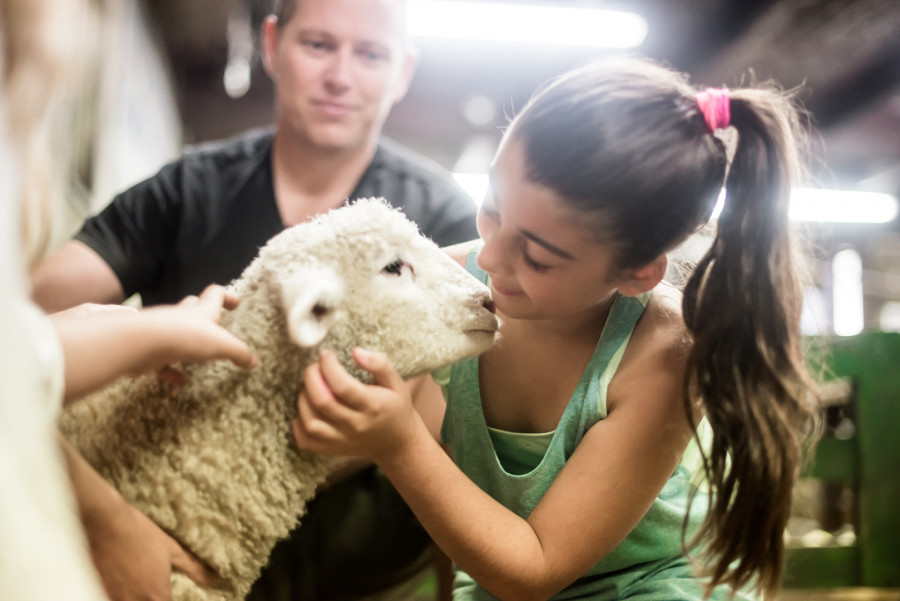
339	415
136	562
101	344
197	335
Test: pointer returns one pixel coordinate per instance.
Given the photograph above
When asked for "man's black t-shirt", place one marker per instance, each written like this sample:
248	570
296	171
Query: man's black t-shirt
202	219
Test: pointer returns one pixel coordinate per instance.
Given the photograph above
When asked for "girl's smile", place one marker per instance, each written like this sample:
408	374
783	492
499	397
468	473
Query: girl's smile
542	257
504	291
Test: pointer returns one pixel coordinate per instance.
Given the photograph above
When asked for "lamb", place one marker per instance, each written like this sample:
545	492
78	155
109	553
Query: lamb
213	462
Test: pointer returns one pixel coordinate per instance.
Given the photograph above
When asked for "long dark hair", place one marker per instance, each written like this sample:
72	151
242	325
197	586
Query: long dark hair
625	140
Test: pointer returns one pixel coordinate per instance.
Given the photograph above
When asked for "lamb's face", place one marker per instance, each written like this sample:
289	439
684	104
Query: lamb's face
382	286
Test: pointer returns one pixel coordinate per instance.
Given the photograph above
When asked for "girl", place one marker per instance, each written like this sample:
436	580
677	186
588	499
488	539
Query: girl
572	438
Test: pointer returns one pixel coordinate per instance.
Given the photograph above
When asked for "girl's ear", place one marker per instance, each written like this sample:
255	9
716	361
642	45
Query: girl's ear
644	278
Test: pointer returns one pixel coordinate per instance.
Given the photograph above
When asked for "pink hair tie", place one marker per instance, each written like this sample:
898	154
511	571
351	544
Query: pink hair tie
715	105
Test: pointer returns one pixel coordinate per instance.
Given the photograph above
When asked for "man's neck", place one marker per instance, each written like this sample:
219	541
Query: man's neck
309	181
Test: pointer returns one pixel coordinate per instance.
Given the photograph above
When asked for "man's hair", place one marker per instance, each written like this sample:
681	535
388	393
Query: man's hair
284	10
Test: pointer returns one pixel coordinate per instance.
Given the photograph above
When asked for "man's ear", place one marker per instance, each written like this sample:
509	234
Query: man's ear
642	279
268	44
407	70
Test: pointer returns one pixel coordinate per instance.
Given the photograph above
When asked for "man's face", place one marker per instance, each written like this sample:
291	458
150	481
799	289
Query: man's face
339	66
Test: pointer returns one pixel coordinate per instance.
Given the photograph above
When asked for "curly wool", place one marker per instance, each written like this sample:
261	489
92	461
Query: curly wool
213	462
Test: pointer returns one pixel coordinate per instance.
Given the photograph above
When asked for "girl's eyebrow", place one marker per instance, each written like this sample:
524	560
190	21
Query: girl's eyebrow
531	236
550	247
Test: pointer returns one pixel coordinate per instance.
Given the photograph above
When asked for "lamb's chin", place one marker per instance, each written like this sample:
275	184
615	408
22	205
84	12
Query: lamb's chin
479	341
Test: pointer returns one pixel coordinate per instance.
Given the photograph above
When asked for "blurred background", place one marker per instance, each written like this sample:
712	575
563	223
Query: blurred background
188	71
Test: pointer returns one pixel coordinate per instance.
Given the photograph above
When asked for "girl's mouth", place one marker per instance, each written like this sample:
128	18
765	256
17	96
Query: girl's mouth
505	291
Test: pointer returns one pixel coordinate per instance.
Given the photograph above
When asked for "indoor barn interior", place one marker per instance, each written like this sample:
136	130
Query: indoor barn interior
172	74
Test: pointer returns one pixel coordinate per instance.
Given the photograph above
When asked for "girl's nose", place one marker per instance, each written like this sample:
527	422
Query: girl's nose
493	257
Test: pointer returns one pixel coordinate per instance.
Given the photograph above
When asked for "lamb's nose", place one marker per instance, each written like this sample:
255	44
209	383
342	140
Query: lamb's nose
489	305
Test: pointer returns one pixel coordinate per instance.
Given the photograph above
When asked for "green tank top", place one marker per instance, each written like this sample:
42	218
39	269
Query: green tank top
517	469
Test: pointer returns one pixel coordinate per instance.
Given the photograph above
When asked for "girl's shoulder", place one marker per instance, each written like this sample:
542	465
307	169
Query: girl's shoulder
658	349
663	312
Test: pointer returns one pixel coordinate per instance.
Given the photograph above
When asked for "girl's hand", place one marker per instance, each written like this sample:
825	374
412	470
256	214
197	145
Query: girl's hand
339	415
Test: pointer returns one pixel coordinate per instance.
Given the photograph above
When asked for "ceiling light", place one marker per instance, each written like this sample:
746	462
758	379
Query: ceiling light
807	204
842	206
525	23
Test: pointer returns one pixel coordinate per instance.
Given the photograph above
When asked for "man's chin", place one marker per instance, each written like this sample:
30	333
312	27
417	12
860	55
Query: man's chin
336	139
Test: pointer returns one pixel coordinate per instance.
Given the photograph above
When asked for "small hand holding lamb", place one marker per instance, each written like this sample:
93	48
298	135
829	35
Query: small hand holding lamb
340	415
137	556
101	342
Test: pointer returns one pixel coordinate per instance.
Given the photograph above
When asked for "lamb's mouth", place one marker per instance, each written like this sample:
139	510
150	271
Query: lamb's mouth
484	323
484	328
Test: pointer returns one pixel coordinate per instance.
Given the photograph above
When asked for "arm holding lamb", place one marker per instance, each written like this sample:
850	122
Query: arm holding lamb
103	342
118	533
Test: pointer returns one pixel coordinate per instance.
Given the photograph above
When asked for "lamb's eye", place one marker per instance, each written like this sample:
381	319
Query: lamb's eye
395	267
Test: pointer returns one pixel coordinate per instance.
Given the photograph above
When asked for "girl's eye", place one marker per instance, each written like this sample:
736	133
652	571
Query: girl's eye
540	267
395	267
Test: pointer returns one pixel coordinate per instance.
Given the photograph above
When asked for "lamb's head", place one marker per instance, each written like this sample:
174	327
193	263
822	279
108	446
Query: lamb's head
363	275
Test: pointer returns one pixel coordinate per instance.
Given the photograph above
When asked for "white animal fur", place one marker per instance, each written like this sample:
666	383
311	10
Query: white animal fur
214	462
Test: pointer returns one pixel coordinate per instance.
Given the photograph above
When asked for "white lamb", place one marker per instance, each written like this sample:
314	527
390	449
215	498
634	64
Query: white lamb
213	462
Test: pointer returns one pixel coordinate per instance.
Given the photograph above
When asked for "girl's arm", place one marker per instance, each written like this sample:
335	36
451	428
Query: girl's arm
101	345
605	489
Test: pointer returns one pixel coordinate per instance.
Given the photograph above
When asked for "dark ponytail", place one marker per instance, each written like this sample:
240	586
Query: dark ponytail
742	307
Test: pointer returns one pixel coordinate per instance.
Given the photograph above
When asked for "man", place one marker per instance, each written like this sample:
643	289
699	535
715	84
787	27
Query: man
338	68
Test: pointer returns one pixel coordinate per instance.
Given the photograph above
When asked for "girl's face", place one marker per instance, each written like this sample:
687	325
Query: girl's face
542	257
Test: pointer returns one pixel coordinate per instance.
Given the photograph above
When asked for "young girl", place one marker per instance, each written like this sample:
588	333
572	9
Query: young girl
573	461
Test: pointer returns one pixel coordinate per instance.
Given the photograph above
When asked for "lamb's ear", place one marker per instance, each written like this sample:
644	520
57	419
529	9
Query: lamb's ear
311	299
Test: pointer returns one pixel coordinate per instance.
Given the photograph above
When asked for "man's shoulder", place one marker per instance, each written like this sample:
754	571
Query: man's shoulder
400	161
424	190
219	165
222	170
248	145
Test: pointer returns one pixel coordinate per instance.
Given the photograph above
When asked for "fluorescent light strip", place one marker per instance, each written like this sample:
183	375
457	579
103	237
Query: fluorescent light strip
842	206
847	293
525	23
807	204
